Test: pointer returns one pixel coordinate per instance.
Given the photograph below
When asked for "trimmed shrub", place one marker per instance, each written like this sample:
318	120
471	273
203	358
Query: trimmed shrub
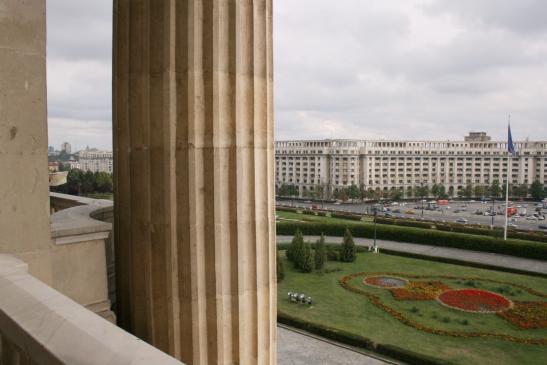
347	251
320	254
432	237
308	212
353	217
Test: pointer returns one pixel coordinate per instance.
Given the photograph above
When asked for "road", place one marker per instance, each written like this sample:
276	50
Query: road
447	214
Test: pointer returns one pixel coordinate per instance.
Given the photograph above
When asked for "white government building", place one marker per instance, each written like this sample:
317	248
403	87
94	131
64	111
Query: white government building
327	165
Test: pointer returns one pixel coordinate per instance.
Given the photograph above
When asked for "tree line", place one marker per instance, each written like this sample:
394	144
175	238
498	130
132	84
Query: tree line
85	182
536	191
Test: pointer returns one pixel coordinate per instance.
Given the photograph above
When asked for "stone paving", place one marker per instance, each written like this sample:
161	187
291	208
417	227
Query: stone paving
295	348
494	259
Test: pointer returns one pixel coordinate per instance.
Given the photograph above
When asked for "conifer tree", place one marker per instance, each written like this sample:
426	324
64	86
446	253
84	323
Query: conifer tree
280	268
295	246
320	254
347	251
306	262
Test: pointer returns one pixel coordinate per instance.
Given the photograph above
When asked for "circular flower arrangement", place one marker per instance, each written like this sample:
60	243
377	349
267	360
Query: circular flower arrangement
474	300
385	281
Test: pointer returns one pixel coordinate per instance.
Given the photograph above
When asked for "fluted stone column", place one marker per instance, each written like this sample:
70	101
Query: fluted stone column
24	186
194	208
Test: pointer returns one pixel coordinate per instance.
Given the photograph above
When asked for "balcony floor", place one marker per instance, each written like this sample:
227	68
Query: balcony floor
296	348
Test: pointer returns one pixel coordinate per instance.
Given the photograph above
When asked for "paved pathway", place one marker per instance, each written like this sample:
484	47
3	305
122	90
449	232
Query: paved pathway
295	348
494	259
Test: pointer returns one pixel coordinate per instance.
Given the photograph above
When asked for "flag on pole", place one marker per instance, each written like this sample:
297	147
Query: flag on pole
510	145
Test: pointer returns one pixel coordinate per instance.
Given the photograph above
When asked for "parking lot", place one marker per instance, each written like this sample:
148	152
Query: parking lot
470	212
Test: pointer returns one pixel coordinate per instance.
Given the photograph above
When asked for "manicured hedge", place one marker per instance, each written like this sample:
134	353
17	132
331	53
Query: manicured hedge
284	246
404	222
450	227
308	212
519	248
355	340
353	217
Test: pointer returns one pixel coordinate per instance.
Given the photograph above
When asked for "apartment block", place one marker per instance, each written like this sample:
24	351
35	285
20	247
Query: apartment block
95	160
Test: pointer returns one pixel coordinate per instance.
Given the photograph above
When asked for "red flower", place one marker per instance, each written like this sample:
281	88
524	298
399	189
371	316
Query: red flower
474	300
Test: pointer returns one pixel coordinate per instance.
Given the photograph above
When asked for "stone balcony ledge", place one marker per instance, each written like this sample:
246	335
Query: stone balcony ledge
81	232
39	325
76	218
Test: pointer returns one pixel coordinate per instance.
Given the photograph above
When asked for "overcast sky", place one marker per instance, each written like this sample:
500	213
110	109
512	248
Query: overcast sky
365	69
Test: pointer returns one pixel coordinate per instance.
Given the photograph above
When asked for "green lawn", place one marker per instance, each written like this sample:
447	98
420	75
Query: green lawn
339	308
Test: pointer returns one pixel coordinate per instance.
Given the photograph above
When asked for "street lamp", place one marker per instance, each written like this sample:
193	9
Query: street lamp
492	213
374	247
422	194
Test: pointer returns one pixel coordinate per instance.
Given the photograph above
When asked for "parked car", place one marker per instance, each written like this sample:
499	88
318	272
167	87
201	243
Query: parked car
461	220
531	218
543	226
410	211
512	225
388	215
396	210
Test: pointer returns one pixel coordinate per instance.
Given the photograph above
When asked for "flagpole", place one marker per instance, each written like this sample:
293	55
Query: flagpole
507	193
510	150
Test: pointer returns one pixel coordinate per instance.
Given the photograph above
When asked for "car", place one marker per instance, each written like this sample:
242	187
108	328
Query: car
541	217
396	210
542	226
410	211
456	211
388	215
461	220
531	218
486	214
512	225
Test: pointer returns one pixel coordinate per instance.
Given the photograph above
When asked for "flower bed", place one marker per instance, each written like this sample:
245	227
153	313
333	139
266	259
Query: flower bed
345	282
420	290
527	315
384	281
475	300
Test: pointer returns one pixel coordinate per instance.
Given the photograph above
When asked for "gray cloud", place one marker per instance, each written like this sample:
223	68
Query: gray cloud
347	69
409	69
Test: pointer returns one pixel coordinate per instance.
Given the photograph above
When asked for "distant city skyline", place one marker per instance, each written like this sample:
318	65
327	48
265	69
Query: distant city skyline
413	69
